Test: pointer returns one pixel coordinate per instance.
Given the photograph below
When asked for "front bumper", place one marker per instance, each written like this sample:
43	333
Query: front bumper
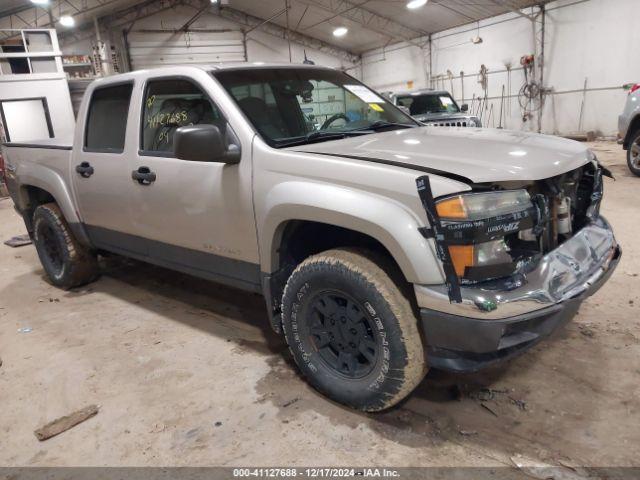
500	319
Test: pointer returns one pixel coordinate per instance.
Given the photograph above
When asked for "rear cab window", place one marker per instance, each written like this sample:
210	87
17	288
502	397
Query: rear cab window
169	104
106	125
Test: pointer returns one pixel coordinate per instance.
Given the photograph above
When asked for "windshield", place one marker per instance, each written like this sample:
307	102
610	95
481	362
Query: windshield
429	103
289	106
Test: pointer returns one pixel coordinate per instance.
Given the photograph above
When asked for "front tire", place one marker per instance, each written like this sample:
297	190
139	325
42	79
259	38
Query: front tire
351	331
633	153
67	263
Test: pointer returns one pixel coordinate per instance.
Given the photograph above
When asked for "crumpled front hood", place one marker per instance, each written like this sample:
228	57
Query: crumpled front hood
480	155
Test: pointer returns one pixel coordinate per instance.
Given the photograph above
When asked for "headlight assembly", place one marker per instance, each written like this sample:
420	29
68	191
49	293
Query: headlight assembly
476	225
477	206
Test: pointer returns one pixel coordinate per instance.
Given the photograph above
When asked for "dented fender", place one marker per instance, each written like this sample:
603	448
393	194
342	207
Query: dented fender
389	222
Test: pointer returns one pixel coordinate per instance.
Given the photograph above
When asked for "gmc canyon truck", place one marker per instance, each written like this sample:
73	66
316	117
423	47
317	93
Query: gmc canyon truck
382	247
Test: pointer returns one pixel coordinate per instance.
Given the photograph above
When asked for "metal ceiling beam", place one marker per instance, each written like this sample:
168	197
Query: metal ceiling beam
256	23
511	8
335	15
195	17
270	19
368	19
130	15
126	17
47	17
455	11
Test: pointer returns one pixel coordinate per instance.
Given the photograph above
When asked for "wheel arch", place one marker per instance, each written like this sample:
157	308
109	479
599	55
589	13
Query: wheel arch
49	187
634	127
390	222
306	218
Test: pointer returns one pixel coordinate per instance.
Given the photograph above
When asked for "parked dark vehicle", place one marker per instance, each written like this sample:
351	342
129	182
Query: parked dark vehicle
436	107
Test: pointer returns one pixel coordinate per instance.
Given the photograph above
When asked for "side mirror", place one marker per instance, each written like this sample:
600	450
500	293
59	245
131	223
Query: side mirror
464	107
204	143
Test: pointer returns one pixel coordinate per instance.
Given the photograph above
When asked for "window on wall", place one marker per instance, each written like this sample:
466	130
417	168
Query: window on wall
107	119
171	104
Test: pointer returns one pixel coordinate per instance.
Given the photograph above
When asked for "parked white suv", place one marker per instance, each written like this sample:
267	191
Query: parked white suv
629	129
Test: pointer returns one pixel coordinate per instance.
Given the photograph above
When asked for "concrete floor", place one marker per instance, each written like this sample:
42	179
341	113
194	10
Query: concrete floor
188	373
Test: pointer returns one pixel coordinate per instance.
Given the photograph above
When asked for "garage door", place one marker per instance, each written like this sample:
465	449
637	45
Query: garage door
159	49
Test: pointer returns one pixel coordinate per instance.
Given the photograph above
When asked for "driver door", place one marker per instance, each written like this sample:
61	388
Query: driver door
195	216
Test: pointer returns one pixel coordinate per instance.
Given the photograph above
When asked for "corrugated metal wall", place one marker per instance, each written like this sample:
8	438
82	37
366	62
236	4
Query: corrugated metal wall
149	49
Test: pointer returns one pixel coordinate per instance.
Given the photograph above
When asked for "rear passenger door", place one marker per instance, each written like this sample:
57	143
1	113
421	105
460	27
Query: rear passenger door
100	168
196	216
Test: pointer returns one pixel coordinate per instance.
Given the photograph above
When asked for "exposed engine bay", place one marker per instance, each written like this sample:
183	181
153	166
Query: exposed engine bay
504	229
563	206
567	203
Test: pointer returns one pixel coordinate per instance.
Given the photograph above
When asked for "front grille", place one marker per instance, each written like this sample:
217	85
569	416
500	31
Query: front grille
448	124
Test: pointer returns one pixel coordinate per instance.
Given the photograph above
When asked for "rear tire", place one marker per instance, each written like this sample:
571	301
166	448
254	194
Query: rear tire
68	264
351	331
633	153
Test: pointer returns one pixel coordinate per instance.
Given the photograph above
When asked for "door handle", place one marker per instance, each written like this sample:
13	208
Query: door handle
84	169
144	176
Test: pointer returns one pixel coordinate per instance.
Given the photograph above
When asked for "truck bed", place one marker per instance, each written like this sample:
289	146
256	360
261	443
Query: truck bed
41	164
54	143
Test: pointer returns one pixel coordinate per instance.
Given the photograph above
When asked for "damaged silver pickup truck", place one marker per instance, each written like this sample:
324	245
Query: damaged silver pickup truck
382	248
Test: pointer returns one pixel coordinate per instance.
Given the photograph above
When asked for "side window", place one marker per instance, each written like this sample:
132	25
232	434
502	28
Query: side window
107	119
170	104
259	90
258	101
405	101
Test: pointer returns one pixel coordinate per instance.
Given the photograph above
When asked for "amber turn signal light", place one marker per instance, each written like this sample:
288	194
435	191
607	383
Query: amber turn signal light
462	256
452	208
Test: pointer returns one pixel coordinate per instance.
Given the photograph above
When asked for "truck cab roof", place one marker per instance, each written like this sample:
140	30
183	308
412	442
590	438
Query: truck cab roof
186	69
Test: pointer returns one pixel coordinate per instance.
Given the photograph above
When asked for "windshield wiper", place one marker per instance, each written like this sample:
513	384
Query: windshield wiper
380	124
321	135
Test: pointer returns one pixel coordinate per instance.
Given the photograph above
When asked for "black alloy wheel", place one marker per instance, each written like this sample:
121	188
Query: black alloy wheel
343	334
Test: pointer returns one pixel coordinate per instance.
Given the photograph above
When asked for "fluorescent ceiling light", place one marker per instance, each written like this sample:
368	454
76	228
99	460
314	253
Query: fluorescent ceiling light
340	31
67	21
413	4
40	2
